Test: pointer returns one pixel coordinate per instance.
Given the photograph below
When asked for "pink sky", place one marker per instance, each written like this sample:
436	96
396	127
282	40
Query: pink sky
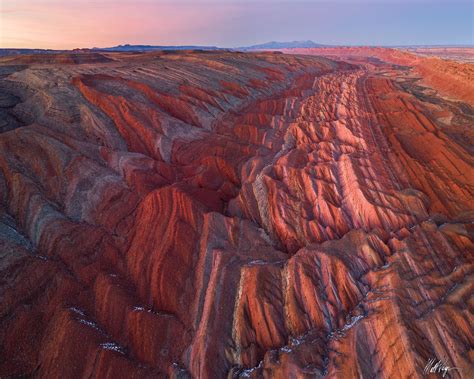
66	24
81	23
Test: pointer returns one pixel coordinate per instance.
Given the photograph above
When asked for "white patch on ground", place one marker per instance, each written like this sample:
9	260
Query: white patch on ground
77	310
112	346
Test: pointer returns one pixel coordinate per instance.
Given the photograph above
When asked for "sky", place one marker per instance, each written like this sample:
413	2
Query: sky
67	24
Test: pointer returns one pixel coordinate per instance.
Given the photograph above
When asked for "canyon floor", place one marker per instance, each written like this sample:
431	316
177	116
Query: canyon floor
236	215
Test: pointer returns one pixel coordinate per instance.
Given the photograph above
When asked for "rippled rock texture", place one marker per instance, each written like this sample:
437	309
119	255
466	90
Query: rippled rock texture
217	214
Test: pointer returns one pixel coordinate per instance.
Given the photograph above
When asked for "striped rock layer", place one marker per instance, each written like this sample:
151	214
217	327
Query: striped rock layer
219	214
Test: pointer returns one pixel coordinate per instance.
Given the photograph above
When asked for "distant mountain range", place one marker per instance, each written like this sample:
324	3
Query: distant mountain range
143	48
273	45
283	45
264	46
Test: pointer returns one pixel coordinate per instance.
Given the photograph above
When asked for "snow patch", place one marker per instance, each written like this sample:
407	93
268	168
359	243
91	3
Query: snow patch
247	372
77	310
112	346
89	323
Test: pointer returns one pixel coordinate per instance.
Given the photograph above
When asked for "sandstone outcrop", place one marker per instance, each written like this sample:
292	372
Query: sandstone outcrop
453	79
219	214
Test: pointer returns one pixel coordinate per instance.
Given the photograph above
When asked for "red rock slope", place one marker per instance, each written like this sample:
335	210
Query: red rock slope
218	215
452	79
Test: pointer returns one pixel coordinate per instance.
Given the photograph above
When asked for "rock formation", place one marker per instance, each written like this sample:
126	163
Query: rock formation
453	79
218	214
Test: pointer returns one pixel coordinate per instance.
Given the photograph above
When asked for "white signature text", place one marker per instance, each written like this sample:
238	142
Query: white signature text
436	365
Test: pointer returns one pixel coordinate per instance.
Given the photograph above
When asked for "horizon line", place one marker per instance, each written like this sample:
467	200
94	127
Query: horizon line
323	45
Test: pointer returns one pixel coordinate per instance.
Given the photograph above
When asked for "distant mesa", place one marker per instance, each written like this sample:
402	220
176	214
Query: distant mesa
14	51
264	46
119	48
143	48
273	45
